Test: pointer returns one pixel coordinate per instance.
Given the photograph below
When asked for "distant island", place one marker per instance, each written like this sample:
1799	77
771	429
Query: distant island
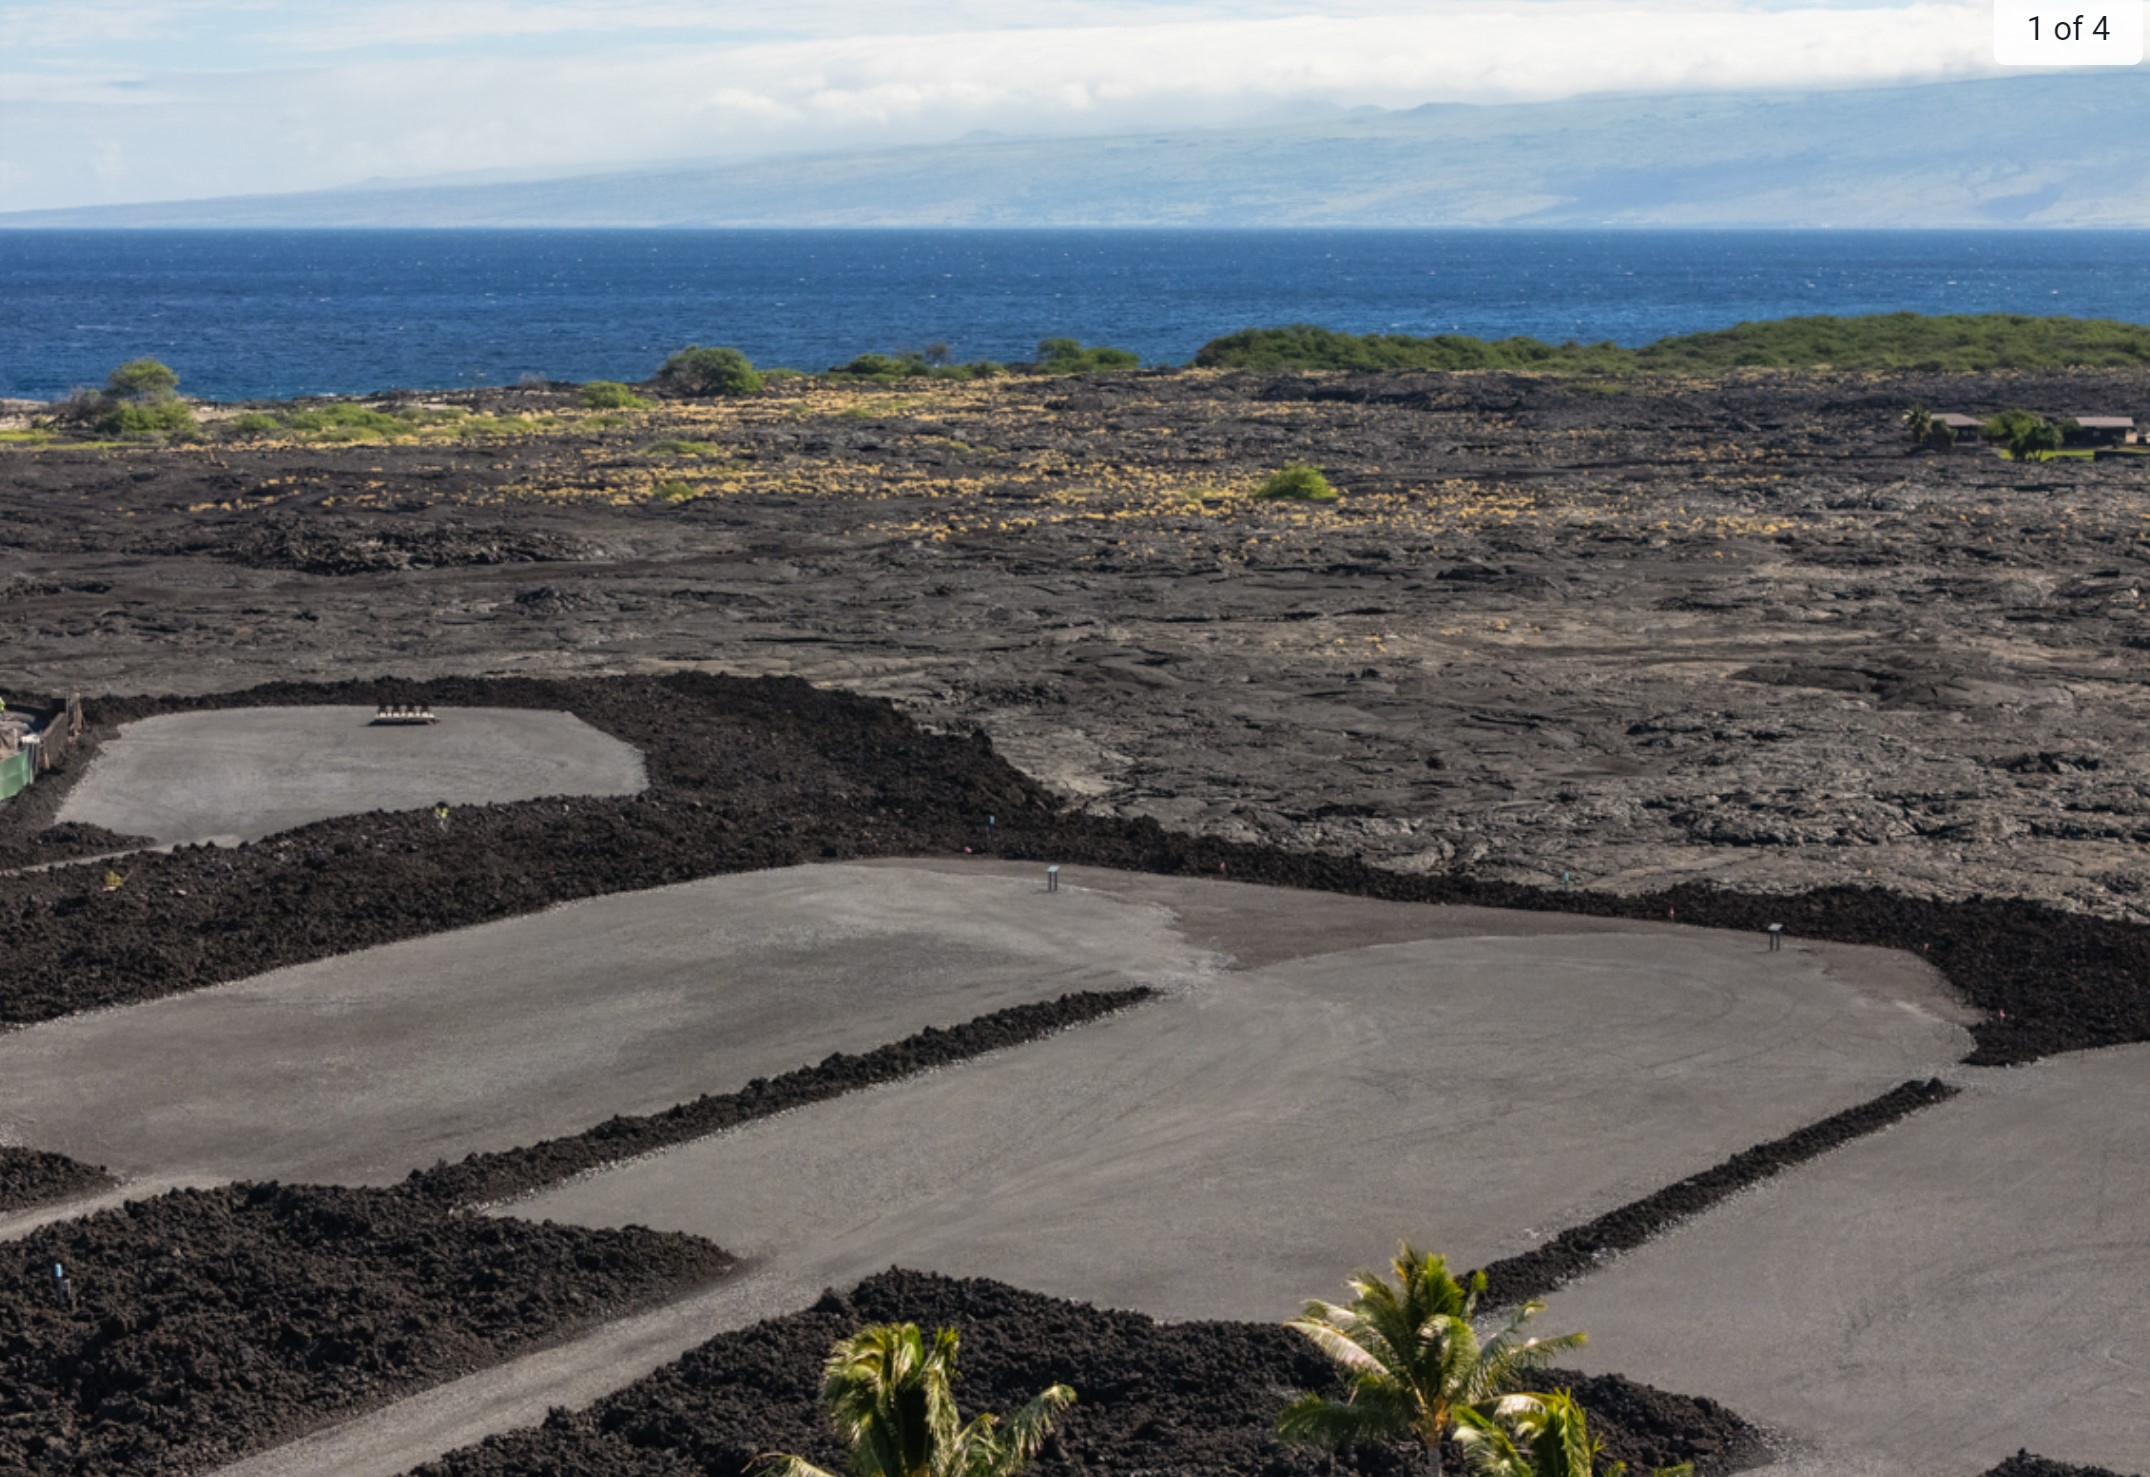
2021	151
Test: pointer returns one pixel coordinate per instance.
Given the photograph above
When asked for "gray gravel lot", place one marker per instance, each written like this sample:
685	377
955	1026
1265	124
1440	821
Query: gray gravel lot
243	773
1236	1148
361	1068
1924	1301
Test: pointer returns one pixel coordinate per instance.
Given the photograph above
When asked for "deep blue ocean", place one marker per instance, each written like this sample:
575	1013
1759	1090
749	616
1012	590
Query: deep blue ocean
274	313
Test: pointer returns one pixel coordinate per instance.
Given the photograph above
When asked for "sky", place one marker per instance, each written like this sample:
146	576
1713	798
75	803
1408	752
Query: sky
114	101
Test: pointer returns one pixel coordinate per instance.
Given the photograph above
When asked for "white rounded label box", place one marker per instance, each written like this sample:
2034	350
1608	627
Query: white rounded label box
2027	33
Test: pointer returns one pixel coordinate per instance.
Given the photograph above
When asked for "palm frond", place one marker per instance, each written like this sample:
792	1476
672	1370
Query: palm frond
1316	1420
1334	1338
1509	1354
1487	1449
1024	1433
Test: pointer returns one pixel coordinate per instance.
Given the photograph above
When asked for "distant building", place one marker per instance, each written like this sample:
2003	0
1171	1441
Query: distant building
2103	430
2090	430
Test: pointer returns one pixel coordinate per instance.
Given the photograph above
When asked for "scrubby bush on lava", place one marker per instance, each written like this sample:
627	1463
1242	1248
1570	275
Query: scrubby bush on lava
610	395
1069	356
1297	483
695	370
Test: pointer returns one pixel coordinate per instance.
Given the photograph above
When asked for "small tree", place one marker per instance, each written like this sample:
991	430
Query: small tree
2007	425
1941	436
1297	483
1920	422
142	381
1410	1358
892	1401
1537	1436
140	399
695	370
2035	440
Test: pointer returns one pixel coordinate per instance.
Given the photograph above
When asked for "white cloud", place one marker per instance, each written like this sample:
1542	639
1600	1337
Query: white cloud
343	118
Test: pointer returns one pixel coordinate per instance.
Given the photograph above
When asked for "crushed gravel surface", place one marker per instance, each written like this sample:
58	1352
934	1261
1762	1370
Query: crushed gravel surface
242	774
1578	1249
489	1177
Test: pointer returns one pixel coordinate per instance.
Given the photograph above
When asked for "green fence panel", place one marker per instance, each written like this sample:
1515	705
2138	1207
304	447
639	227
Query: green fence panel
15	773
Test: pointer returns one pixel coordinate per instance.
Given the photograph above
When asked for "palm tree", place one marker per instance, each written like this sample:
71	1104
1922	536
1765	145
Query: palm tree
1536	1436
893	1402
1410	1358
1919	421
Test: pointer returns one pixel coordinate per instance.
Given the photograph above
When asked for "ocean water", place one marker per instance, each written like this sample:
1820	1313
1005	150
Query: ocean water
273	313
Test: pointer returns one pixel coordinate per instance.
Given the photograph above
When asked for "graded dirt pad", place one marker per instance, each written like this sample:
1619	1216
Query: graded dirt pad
360	1068
1924	1301
204	1324
238	774
31	1177
1195	1398
481	1178
1182	1158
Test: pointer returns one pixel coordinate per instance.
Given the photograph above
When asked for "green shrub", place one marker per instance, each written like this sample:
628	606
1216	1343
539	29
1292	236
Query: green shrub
890	368
150	418
1298	483
2007	426
673	491
349	423
143	381
681	448
1066	356
695	370
611	395
253	423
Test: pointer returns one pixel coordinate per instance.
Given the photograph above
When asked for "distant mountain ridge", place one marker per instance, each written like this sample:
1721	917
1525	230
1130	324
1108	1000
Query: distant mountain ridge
2047	150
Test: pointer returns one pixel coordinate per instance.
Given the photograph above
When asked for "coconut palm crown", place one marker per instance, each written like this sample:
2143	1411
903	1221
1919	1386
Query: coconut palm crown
1410	1357
1536	1436
892	1400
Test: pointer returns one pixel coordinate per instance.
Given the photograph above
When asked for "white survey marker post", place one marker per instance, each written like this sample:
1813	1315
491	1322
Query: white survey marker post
2028	33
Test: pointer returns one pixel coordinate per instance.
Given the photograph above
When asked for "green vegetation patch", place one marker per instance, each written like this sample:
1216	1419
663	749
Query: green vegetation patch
342	423
610	395
1297	483
1304	346
1955	343
131	421
1068	356
888	369
713	372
